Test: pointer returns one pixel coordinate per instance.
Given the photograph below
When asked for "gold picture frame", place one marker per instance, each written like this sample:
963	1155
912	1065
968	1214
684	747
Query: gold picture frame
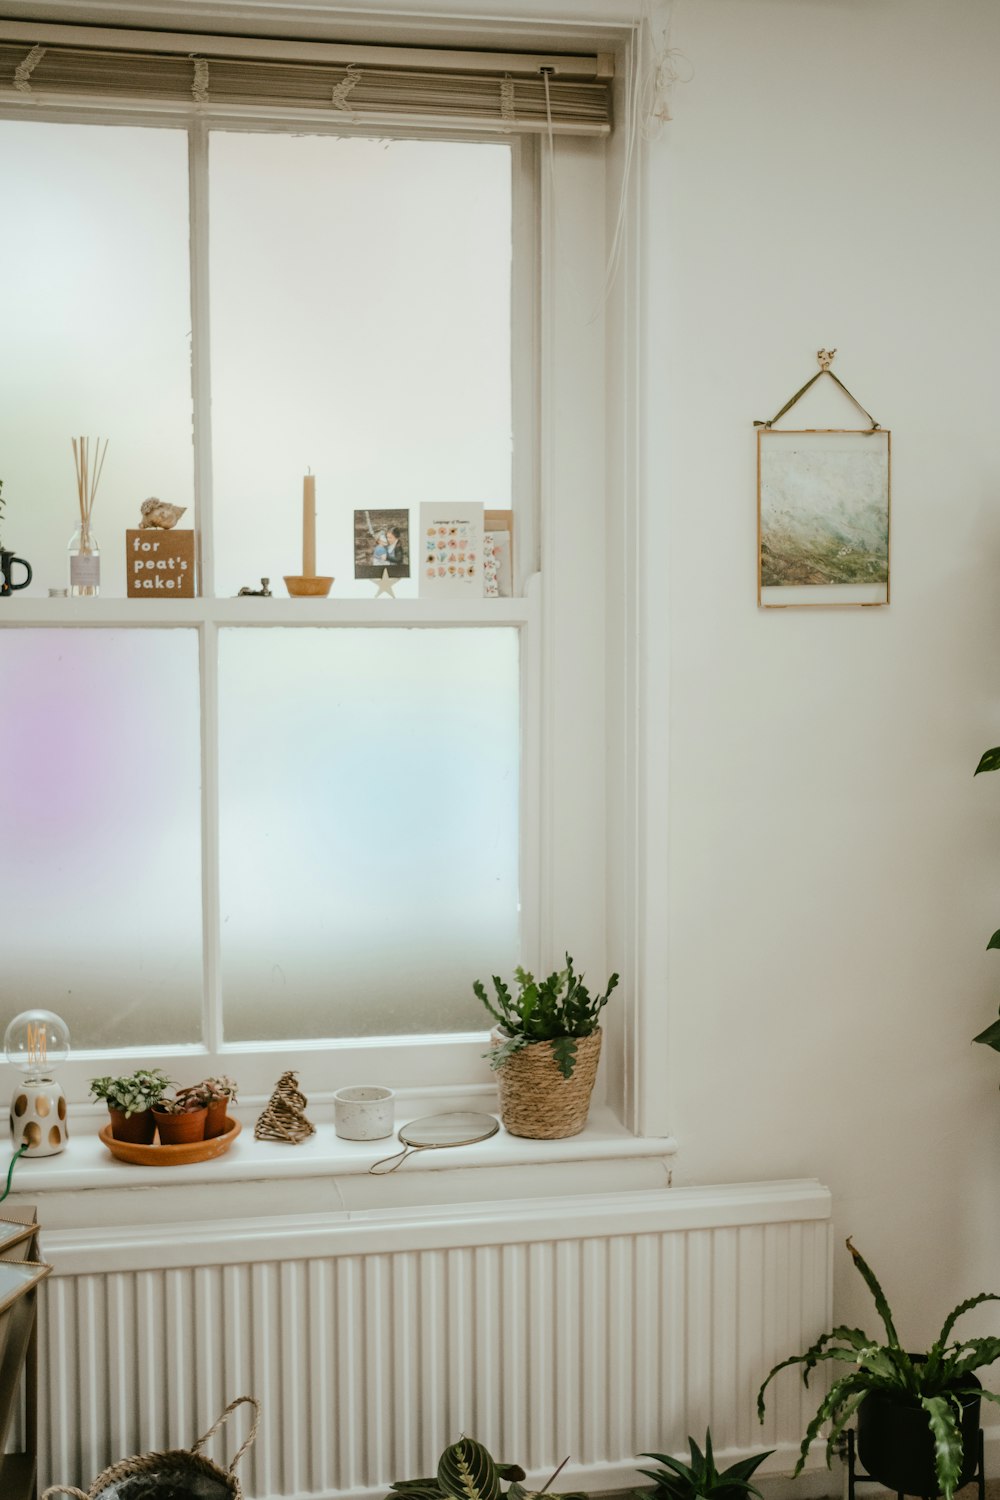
18	1277
824	506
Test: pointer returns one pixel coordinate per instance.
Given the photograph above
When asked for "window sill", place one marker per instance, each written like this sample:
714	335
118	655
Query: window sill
84	1185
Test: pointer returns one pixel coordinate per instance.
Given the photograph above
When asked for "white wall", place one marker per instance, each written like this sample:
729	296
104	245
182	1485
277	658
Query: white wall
831	178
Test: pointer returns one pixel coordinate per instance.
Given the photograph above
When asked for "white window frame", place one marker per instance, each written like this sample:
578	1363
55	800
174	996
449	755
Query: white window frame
586	751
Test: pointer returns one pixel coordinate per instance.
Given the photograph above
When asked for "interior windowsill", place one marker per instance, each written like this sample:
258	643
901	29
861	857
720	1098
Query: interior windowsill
87	1164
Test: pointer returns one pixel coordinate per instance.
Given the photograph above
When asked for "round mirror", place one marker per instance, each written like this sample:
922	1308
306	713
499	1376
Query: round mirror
459	1128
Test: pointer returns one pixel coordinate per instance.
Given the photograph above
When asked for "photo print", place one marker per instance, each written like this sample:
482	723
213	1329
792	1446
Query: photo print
381	543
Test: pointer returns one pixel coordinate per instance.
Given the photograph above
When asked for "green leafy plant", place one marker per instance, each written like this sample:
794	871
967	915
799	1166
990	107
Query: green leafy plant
990	761
467	1471
558	1010
211	1090
181	1104
701	1480
134	1094
934	1381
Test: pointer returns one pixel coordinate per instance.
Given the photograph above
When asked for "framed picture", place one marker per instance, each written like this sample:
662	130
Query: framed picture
16	1278
16	1237
822	518
381	543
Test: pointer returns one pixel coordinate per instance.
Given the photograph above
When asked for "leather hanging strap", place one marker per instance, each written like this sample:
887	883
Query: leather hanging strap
824	356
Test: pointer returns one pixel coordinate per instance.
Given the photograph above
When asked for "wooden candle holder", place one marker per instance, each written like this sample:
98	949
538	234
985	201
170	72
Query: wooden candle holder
307	588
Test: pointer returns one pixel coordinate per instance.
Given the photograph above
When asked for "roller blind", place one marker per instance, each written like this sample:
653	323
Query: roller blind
362	84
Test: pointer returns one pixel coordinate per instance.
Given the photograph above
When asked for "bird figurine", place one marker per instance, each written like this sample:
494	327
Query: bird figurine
158	513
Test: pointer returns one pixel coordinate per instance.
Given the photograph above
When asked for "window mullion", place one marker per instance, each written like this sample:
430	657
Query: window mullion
208	636
211	920
201	352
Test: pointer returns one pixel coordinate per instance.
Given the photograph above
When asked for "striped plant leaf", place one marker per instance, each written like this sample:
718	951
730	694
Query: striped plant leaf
467	1472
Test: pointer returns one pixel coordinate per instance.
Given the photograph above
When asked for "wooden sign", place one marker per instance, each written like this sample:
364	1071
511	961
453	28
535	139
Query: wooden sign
159	564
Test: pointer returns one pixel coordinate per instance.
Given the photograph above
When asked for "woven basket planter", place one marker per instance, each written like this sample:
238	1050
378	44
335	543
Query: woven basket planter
535	1099
183	1474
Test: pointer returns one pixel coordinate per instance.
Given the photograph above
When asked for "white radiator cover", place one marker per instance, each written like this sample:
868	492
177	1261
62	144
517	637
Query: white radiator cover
597	1327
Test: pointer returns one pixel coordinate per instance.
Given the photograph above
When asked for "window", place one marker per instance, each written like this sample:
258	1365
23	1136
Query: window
256	824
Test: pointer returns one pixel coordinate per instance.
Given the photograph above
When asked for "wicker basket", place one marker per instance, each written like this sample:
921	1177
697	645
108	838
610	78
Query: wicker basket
183	1474
535	1099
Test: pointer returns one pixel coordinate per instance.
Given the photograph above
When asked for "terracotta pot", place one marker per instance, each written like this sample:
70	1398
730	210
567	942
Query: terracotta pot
536	1101
215	1122
138	1128
180	1130
896	1445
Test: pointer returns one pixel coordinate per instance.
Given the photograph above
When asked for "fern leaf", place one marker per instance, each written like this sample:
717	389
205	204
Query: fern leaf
963	1307
829	1410
871	1281
947	1441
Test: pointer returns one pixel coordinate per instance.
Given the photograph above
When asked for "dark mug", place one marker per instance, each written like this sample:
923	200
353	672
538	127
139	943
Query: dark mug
7	561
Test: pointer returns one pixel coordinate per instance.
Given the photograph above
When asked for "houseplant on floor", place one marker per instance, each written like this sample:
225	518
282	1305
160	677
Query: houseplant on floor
545	1050
130	1101
467	1471
701	1480
918	1414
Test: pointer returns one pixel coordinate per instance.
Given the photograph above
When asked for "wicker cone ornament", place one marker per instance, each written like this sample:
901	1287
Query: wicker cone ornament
284	1116
182	1474
536	1101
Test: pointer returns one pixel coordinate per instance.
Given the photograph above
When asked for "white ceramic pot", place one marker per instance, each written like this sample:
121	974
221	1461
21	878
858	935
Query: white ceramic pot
365	1112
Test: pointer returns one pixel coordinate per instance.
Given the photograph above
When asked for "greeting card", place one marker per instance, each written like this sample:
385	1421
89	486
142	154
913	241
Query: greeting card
451	556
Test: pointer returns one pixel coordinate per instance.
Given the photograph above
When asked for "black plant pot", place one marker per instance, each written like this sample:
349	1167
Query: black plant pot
896	1445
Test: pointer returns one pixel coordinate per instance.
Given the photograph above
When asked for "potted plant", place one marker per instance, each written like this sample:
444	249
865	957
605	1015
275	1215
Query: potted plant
701	1480
216	1094
179	1121
467	1471
545	1050
130	1101
918	1414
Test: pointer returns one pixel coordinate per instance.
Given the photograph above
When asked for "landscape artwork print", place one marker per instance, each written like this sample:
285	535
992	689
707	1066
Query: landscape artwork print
823	502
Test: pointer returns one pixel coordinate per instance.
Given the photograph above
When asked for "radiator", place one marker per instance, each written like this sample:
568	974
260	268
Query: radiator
595	1327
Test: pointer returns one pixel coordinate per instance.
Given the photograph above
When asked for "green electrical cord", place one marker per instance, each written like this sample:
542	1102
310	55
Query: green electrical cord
13	1163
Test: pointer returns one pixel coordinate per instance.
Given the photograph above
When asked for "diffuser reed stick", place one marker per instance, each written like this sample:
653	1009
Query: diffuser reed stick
84	553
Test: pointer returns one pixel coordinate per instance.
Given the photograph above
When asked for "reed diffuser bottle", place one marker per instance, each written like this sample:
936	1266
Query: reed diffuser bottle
84	553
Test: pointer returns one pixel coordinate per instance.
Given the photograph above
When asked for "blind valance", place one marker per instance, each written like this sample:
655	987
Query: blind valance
361	84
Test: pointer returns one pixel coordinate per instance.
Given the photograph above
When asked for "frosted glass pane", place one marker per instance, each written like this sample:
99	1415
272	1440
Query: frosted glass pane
96	320
360	328
100	884
369	848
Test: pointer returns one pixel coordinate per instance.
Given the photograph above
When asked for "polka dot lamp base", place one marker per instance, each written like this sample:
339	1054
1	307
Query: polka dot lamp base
38	1118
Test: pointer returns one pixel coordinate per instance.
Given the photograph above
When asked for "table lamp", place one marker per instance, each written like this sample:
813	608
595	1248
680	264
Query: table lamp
35	1042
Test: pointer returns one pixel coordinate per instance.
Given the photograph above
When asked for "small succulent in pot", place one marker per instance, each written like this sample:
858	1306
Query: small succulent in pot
211	1090
180	1120
180	1104
701	1480
559	1010
130	1100
131	1095
217	1094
